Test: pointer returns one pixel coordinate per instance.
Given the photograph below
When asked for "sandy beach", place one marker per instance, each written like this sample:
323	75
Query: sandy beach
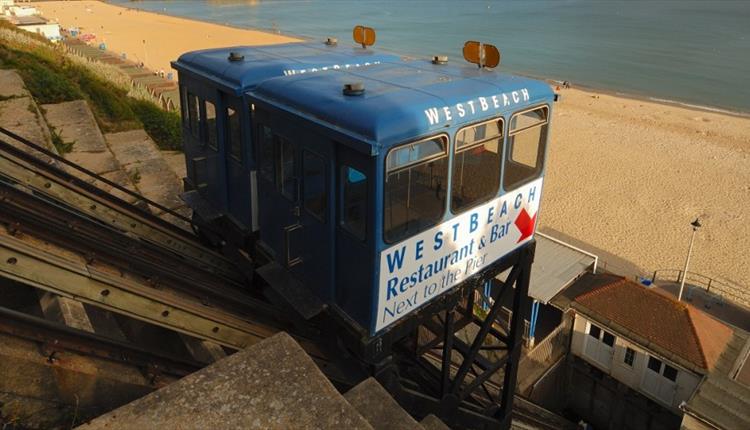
625	176
146	37
628	176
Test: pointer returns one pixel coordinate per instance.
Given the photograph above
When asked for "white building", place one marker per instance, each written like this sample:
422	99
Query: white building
39	25
22	11
655	345
6	3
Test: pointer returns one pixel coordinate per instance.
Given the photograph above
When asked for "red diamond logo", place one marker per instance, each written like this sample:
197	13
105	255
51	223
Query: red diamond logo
525	224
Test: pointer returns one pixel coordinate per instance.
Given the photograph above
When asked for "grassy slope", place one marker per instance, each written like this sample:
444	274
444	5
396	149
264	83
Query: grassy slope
53	78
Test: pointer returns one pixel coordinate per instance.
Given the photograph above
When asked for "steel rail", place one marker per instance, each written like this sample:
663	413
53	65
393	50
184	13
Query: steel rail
46	179
66	275
164	308
58	158
80	218
60	225
55	336
27	260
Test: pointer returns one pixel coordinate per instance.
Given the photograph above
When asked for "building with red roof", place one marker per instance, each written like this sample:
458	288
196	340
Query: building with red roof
647	340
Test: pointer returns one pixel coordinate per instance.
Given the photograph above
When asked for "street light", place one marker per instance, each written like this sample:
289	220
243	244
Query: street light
696	225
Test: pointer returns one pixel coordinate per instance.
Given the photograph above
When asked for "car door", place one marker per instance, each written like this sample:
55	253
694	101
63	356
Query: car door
237	141
315	227
278	195
354	256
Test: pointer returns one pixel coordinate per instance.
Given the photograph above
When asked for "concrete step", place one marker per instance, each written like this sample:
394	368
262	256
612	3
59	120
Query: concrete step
176	161
378	407
143	162
11	85
20	114
272	384
37	391
431	422
75	124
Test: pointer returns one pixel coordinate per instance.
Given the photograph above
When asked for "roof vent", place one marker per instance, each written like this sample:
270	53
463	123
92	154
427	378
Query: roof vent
354	89
332	41
236	56
440	59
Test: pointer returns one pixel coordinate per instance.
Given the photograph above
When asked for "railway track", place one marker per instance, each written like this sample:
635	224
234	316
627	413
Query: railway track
56	337
50	175
62	234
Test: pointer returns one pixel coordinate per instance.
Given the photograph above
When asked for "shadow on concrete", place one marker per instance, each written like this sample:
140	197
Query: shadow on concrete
607	261
712	304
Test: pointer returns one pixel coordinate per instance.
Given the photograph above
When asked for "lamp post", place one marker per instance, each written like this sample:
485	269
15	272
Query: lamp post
696	225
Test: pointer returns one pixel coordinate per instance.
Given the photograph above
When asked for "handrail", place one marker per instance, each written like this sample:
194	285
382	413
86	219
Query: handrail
575	248
736	291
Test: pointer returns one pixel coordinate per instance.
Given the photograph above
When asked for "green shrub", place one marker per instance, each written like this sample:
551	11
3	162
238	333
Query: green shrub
62	146
109	103
44	80
7	25
52	77
163	127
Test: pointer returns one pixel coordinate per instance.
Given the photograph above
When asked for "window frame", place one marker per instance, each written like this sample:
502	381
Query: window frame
261	139
632	356
648	364
184	106
599	329
341	209
206	141
663	366
508	148
386	172
229	143
414	163
303	197
196	132
664	373
501	162
279	170
521	112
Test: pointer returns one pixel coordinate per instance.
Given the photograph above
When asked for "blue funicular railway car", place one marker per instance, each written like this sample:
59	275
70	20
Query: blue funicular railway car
374	182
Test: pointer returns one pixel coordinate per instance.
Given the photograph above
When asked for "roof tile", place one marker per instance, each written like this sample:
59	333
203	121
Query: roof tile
675	326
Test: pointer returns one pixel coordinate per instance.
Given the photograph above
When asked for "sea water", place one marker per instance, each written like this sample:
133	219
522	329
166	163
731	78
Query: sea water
694	52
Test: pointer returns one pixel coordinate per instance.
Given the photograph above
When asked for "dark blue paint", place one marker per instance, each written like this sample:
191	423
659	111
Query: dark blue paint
311	110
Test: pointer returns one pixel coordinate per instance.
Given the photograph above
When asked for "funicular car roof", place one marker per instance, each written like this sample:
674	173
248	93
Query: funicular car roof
397	95
264	62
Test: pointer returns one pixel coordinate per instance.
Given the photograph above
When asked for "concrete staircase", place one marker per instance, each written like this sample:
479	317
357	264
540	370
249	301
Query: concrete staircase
92	383
273	384
20	114
129	158
76	126
146	166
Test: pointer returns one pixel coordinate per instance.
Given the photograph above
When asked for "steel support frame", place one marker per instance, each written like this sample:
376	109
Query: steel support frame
464	394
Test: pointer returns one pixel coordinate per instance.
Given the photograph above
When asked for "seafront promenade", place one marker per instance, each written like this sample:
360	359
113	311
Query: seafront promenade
625	176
